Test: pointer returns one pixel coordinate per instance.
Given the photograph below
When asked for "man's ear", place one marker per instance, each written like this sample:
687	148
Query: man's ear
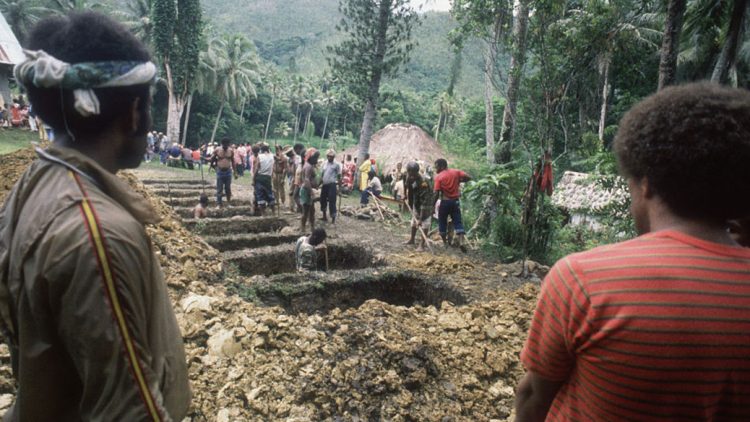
648	190
135	116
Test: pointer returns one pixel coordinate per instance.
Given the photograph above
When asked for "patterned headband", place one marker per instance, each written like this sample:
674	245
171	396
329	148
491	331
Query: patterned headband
44	71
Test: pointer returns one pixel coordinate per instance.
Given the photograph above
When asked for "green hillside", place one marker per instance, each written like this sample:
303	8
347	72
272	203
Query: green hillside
294	34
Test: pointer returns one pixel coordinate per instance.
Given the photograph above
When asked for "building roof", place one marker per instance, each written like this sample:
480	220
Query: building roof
11	52
589	193
401	142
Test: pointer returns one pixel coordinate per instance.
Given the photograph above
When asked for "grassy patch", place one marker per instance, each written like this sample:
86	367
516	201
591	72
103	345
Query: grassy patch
12	140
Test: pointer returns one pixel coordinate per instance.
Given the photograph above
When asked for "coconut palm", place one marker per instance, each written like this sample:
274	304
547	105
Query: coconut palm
610	25
200	85
66	6
327	100
137	17
233	70
715	39
273	81
298	88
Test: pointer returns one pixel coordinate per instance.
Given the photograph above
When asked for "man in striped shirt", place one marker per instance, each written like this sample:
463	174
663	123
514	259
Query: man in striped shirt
658	327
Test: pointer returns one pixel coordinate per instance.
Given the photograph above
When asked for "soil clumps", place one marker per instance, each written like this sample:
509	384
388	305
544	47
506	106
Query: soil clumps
375	361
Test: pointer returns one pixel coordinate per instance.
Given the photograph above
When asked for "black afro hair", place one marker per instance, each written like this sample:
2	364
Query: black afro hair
87	37
692	143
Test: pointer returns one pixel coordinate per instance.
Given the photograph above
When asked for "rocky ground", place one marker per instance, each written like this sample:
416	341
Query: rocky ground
385	334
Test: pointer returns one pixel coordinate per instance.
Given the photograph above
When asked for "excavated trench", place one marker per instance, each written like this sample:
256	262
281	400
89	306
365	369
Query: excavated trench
166	182
181	193
232	211
348	276
280	259
234	225
250	241
191	202
318	293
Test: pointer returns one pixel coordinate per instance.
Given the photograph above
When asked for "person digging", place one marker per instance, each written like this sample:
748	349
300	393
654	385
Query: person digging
306	250
447	190
419	201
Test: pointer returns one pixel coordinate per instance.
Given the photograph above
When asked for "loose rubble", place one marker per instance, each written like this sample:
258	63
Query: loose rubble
378	361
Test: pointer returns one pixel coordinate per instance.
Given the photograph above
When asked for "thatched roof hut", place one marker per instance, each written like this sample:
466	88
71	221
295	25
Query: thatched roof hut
585	193
586	197
402	142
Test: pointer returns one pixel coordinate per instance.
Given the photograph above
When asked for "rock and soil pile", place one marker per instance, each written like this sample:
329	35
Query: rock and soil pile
371	361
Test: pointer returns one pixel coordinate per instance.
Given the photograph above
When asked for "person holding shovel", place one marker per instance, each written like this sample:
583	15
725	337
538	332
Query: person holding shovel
419	201
309	182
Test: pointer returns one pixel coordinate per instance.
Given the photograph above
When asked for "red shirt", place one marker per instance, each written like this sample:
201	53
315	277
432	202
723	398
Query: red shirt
656	328
448	182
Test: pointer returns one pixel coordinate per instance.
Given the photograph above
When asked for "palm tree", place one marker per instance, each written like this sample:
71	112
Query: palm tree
233	66
137	17
712	44
274	82
66	6
614	26
21	15
297	92
309	103
200	85
327	100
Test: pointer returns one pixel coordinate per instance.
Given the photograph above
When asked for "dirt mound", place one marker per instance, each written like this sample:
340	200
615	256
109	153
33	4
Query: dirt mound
376	361
12	167
401	142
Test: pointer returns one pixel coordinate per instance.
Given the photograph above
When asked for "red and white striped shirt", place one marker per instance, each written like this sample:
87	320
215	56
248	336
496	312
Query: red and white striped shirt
656	328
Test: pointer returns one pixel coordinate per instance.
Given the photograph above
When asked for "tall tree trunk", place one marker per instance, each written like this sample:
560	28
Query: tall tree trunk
175	106
307	123
187	118
728	57
373	93
489	109
270	111
671	42
296	123
455	70
218	117
242	110
604	69
345	116
437	128
367	123
325	125
517	60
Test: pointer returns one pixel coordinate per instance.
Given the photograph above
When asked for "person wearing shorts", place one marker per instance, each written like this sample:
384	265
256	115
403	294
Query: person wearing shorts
419	198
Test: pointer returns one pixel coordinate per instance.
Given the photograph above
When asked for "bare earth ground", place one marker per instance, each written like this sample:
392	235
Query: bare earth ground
306	359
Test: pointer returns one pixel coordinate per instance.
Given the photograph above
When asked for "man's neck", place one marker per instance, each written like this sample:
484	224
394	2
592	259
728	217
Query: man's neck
93	149
661	218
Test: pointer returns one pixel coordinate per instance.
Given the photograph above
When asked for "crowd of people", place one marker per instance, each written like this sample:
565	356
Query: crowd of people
19	114
653	328
294	178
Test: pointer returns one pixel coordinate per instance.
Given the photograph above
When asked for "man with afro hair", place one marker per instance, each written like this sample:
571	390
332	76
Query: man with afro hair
83	302
656	328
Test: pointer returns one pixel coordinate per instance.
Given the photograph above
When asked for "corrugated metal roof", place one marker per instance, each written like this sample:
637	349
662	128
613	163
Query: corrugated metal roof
10	50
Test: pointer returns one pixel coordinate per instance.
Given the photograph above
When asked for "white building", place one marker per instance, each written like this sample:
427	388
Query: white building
10	55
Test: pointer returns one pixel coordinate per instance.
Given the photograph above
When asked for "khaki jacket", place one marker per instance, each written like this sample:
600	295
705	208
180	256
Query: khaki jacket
83	301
